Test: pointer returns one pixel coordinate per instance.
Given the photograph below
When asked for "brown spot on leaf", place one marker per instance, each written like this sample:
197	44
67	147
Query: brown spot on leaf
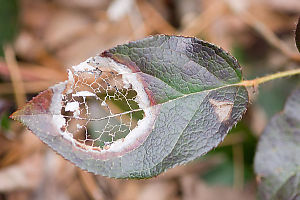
222	109
38	105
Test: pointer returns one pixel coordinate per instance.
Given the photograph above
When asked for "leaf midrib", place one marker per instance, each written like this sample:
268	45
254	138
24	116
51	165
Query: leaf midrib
179	135
140	109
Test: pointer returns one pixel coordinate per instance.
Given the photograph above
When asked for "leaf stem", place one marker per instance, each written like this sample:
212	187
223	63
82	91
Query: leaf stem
264	79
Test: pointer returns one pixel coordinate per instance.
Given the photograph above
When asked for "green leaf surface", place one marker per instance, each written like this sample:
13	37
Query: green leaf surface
8	22
277	159
192	101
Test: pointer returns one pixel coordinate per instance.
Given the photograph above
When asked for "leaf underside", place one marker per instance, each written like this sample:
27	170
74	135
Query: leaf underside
190	85
277	159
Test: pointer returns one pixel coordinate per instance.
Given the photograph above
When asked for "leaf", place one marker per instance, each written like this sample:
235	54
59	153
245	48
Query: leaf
277	160
141	108
8	22
297	36
290	189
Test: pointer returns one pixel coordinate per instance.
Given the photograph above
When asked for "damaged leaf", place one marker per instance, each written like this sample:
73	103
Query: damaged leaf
277	160
141	108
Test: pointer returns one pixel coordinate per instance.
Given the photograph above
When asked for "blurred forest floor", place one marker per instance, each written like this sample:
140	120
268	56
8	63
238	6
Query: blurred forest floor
42	38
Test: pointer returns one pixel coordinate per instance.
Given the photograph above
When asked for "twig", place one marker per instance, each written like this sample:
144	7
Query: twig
238	166
154	19
266	33
207	17
198	167
29	87
15	75
30	72
232	139
137	22
270	37
90	185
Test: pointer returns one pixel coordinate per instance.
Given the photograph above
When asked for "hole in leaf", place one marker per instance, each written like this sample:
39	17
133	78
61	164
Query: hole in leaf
99	108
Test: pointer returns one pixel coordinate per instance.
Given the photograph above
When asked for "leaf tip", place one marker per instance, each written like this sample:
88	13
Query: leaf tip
39	104
14	115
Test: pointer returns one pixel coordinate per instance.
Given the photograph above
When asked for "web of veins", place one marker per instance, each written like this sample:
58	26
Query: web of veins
106	114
